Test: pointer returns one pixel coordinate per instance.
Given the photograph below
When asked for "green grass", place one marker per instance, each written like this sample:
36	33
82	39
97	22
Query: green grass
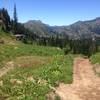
47	66
11	49
95	58
7	37
10	52
59	70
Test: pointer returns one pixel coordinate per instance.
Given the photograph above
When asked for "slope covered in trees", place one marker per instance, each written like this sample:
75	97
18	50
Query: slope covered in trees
5	20
84	35
77	29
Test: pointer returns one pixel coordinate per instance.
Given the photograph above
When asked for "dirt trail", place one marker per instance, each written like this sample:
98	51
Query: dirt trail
8	66
85	86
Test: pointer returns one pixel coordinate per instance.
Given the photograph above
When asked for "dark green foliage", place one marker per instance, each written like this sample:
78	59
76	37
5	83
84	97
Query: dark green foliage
95	58
4	20
67	49
86	46
15	21
56	41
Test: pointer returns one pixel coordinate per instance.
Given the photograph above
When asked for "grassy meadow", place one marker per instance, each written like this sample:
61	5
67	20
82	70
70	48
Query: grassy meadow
36	69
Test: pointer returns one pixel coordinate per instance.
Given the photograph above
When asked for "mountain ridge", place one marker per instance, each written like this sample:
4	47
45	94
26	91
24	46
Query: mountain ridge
89	27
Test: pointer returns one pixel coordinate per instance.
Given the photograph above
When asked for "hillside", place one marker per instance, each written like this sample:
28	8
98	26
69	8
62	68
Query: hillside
27	72
31	72
37	27
88	28
7	38
43	62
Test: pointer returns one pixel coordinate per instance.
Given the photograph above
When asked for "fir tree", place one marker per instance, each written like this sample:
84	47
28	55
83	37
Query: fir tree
15	20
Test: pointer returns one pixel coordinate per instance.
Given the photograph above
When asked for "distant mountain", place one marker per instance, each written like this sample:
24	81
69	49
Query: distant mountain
80	28
37	27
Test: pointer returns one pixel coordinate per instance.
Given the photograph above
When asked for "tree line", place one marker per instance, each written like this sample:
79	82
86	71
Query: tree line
86	46
11	25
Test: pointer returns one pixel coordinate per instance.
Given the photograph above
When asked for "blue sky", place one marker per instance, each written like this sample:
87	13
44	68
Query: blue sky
54	12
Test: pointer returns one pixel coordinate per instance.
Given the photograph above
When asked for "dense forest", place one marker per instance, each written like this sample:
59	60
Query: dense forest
84	44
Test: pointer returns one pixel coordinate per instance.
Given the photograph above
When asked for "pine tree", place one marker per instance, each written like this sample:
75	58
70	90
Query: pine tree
15	20
5	19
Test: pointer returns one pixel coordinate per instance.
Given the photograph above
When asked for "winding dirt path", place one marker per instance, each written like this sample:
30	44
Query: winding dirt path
85	86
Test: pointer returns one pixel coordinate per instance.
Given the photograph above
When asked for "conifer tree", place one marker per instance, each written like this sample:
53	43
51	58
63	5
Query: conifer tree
15	20
5	19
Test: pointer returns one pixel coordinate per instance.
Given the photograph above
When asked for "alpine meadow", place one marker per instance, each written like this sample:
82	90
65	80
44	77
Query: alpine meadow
39	61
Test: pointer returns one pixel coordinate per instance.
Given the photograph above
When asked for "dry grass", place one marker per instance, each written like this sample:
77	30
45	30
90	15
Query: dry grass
28	61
